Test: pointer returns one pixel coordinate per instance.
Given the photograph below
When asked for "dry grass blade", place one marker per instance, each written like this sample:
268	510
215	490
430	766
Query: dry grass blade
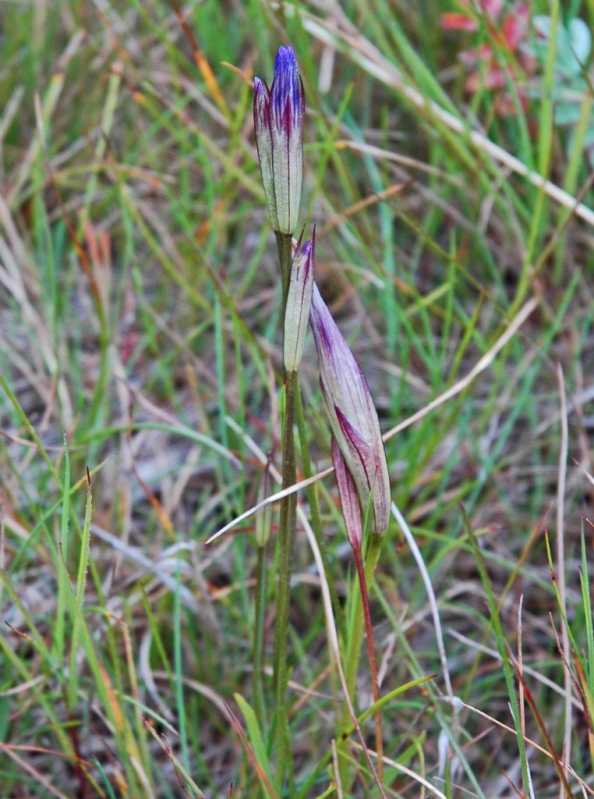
560	765
525	669
410	540
37	776
410	773
582	783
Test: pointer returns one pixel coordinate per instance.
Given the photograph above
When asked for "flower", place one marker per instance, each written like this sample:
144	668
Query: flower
278	121
349	498
353	417
298	303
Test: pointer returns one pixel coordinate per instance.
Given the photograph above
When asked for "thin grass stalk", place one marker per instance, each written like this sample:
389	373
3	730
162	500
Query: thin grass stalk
286	535
260	613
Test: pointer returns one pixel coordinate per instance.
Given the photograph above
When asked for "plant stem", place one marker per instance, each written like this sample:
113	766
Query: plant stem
260	611
286	536
379	745
356	623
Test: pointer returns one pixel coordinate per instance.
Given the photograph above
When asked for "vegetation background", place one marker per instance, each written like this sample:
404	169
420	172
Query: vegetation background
139	392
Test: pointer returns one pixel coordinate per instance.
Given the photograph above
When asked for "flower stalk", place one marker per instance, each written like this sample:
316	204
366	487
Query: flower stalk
351	512
286	544
296	301
354	638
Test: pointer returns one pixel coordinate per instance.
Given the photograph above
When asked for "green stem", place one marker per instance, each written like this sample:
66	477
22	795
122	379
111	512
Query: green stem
260	611
356	624
286	537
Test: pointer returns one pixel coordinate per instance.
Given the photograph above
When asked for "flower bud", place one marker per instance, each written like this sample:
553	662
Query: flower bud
278	122
353	417
298	303
349	498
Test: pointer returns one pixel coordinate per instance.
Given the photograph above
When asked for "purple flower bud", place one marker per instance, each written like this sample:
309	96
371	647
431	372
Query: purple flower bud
298	303
352	415
278	121
349	498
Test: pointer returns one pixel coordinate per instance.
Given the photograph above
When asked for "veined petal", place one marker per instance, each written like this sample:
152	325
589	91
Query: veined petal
339	369
357	443
262	126
287	107
370	472
352	414
349	498
382	498
298	304
287	90
287	169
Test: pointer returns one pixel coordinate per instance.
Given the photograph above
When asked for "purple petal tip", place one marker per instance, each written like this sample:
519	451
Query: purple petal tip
285	60
260	88
287	91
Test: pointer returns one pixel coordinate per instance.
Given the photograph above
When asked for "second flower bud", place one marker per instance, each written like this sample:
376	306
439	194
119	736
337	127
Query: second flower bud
299	303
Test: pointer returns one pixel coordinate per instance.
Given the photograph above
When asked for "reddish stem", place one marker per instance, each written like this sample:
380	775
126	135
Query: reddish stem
372	661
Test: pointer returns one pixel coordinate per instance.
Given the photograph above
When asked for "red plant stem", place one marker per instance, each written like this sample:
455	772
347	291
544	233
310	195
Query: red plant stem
379	745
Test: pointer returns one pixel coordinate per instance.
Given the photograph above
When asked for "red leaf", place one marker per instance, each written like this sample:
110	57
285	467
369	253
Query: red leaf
514	30
457	22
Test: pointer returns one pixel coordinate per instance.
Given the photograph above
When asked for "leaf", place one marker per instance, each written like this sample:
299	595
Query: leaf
257	743
567	113
580	40
457	22
572	47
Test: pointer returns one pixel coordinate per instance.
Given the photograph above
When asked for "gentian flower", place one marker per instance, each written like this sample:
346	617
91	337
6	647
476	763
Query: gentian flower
278	121
298	303
353	417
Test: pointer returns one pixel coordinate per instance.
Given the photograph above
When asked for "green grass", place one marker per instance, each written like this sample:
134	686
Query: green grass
139	339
